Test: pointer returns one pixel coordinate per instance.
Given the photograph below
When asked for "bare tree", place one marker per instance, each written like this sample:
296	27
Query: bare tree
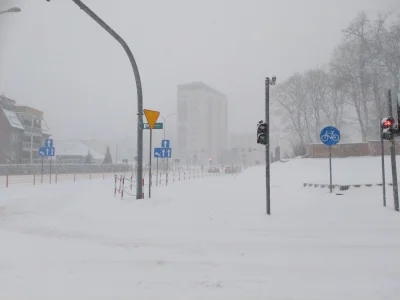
390	51
334	104
316	85
291	96
363	66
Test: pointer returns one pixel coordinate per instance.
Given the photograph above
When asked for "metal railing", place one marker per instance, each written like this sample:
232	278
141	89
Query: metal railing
27	169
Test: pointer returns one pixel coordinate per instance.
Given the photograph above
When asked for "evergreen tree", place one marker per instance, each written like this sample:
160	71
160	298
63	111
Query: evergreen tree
107	158
89	158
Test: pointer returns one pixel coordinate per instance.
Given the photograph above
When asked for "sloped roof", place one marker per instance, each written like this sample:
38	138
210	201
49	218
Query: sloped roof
13	119
74	147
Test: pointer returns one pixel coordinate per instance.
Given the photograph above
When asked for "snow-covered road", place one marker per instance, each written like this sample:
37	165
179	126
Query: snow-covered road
200	239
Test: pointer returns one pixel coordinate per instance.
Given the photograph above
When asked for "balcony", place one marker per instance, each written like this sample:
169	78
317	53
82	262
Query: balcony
26	146
36	131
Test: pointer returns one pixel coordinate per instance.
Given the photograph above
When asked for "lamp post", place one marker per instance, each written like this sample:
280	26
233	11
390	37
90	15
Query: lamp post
139	170
11	10
165	123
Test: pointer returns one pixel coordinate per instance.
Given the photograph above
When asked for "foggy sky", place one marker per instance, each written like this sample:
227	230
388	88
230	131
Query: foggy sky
55	58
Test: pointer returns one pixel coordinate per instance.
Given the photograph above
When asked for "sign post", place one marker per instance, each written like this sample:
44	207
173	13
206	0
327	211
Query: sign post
165	144
151	116
164	152
157	173
330	136
47	151
41	179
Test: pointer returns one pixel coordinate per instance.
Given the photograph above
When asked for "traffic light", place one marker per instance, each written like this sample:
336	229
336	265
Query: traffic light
388	130
262	133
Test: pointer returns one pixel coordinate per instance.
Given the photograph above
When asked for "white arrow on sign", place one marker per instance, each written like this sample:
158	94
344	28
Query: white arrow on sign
169	152
48	143
47	151
165	143
52	151
41	152
157	154
163	152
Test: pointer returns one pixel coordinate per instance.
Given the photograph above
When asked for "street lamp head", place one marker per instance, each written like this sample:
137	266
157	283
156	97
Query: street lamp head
14	9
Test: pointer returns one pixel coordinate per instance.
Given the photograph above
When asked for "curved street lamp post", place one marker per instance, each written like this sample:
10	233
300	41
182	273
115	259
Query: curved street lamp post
139	169
11	10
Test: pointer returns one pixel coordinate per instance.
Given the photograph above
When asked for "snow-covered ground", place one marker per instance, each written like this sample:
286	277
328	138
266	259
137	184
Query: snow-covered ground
351	170
200	239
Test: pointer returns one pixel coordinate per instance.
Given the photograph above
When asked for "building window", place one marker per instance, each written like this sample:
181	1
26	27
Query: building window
16	137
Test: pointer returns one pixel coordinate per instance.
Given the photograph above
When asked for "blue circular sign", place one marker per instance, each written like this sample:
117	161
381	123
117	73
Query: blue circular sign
330	135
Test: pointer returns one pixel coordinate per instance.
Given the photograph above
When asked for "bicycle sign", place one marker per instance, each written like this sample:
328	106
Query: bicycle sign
330	136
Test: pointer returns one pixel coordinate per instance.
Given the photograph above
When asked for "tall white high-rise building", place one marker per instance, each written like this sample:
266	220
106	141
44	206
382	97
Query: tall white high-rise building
202	123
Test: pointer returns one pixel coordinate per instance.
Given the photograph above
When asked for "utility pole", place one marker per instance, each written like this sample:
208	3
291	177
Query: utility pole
98	20
393	158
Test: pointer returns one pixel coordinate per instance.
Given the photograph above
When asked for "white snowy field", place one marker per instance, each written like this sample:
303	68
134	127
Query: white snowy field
201	239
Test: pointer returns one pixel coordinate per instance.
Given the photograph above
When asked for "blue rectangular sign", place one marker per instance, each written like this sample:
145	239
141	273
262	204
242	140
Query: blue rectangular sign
47	151
165	143
162	152
48	143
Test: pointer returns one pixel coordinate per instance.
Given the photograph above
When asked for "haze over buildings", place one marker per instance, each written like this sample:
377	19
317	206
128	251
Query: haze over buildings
202	123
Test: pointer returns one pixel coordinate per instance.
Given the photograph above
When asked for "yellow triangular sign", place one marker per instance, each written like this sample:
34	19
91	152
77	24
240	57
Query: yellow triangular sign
151	116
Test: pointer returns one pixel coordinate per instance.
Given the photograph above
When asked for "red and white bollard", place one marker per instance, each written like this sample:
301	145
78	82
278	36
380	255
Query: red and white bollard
115	185
142	188
122	191
131	181
120	183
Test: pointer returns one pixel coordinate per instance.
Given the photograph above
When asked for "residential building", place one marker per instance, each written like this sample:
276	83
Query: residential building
75	152
23	131
202	119
11	131
34	135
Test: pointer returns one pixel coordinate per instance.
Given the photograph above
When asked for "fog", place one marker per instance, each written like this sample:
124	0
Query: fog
55	58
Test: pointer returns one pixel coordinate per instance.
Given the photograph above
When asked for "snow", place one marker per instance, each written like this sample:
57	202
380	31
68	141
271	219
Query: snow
13	119
200	239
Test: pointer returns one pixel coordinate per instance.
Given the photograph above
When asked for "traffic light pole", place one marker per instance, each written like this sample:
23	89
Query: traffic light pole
383	167
393	159
267	161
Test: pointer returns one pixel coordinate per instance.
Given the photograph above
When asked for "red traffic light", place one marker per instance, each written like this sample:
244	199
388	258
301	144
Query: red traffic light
387	122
